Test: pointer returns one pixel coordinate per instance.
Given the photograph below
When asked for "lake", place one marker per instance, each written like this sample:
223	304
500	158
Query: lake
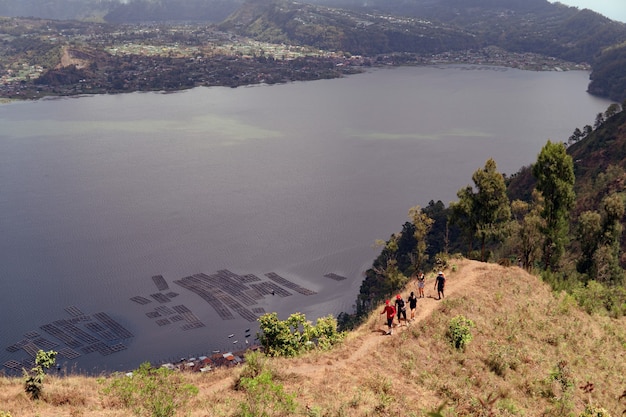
100	194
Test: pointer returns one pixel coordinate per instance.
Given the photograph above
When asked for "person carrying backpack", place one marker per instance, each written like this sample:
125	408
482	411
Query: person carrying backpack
400	309
391	313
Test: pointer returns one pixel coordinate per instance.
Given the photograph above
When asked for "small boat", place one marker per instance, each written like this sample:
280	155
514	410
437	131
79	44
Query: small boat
231	335
235	342
216	351
247	330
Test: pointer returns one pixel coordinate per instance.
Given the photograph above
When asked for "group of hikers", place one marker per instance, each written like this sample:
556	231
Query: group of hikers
398	309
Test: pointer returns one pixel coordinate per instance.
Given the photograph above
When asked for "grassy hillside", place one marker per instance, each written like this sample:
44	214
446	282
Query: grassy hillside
531	352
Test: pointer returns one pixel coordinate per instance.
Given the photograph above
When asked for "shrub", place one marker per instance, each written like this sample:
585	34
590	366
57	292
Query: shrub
33	381
263	393
148	391
296	335
459	332
502	357
591	411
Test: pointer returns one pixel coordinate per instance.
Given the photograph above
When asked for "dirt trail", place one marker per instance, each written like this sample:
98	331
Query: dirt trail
371	336
467	272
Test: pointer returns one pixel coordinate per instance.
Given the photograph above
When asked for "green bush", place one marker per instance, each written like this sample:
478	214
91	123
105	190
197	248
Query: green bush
459	332
295	335
502	357
591	411
154	392
263	394
33	381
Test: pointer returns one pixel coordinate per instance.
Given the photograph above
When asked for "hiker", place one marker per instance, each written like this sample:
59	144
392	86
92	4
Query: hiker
440	283
420	284
391	312
400	309
412	304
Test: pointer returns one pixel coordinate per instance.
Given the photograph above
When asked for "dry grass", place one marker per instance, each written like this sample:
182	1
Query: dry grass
522	334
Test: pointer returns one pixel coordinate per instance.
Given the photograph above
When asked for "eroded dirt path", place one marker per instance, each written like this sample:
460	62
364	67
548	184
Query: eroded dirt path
366	339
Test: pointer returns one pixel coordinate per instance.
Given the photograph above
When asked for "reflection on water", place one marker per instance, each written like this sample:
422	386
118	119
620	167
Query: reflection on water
100	194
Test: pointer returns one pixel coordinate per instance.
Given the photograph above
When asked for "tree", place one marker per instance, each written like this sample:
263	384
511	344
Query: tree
296	334
612	110
588	233
527	229
422	224
554	171
599	121
487	210
576	136
33	382
386	266
463	215
613	207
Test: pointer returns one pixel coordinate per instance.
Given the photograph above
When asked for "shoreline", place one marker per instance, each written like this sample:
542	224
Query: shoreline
225	71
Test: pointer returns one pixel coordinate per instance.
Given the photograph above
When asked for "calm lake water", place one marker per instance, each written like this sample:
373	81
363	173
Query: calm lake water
99	194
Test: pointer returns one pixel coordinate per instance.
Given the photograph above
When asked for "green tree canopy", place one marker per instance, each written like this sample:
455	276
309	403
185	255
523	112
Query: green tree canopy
486	210
554	171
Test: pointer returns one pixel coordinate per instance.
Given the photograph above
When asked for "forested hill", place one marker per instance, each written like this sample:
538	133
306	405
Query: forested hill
600	159
411	25
598	154
356	32
377	27
424	27
594	150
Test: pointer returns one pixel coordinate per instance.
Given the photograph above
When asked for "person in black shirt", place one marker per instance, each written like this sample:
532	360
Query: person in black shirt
412	304
400	309
440	284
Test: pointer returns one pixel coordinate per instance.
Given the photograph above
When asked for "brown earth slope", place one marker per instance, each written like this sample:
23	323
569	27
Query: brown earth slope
530	353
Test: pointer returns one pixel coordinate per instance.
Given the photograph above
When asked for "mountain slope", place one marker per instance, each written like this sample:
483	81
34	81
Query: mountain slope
530	353
336	29
520	26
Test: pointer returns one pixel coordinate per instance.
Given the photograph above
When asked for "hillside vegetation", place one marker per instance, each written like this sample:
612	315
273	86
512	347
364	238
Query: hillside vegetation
533	353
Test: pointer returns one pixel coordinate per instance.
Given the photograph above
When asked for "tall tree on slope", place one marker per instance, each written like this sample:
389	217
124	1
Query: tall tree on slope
554	171
487	209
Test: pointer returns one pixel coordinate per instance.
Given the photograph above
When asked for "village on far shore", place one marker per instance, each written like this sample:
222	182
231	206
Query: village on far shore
75	58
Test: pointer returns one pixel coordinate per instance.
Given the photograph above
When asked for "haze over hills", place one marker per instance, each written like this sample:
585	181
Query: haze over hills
381	27
377	27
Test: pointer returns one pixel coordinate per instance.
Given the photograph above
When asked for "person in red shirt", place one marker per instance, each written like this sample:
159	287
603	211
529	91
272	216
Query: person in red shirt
391	313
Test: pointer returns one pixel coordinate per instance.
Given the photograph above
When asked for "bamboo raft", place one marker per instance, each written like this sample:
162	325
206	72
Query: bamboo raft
286	283
335	277
160	282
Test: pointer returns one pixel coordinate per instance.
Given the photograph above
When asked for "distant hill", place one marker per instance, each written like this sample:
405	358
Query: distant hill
603	147
432	26
135	11
121	11
596	155
599	165
609	77
57	9
374	27
351	31
515	25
